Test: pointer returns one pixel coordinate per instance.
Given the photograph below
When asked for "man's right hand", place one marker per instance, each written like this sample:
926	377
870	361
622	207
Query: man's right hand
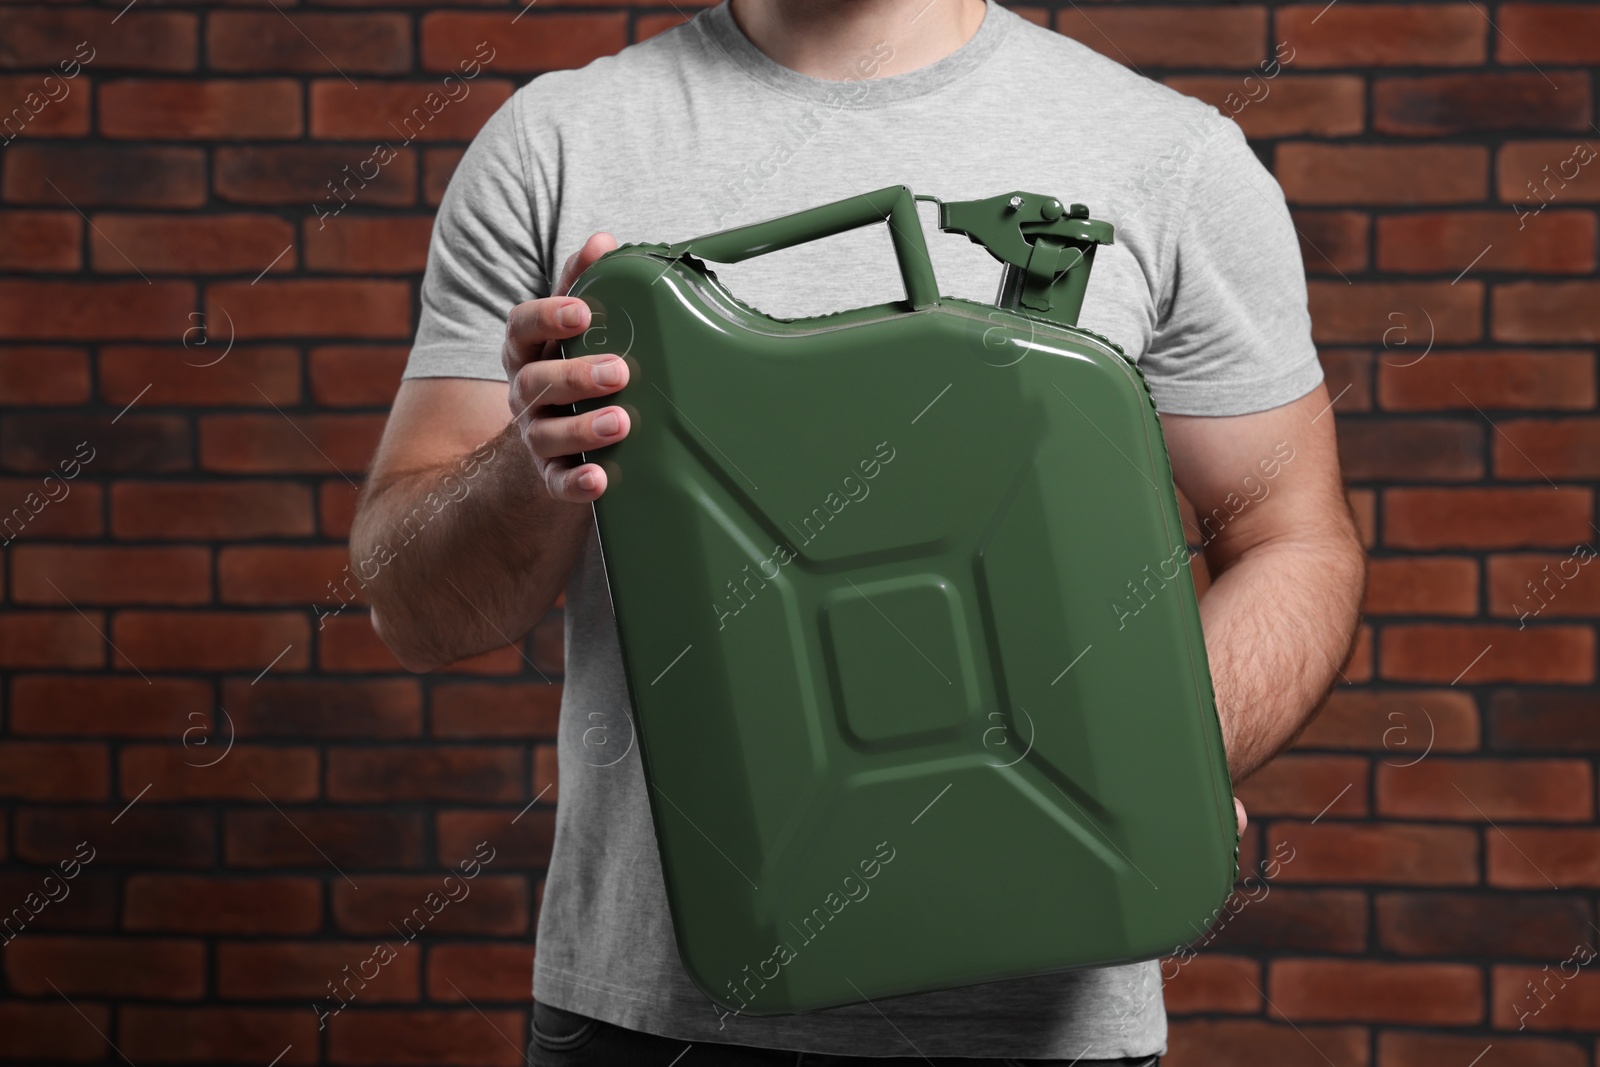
543	384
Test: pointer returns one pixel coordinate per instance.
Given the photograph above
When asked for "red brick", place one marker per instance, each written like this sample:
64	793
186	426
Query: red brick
368	245
1332	242
437	166
524	843
535	42
1409	585
42	105
39	241
253	375
356	375
1357	666
217	1035
326	308
1478	102
355	840
212	640
213	905
347	643
1530	926
1505	378
244	773
308	43
1565	993
1382	174
178	244
142	967
1398	1048
1548	33
52	442
1486	518
1402	316
647	26
546	773
1521	857
52	639
1397	35
267	575
1542	449
1209	983
111	575
80	310
495	905
1539	174
214	511
467	1037
299	708
1347	373
313	444
40	770
1257	1043
145	837
1373	991
221	110
99	706
143	39
494	973
1545	721
1558	242
1415	449
433	773
1544	586
404	111
495	710
90	175
1316	105
1443	653
1307	785
84	904
1546	311
1548	790
336	505
1389	854
37	375
1175	37
1277	918
54	1030
1364	507
299	175
299	970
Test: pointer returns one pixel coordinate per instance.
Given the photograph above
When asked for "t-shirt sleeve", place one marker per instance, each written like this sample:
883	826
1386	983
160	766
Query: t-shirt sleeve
1233	333
484	257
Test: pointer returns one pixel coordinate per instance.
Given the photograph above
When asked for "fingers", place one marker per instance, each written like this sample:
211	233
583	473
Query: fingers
555	382
567	435
1238	810
533	324
596	246
579	484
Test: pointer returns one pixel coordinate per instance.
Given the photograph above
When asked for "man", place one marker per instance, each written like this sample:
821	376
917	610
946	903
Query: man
758	109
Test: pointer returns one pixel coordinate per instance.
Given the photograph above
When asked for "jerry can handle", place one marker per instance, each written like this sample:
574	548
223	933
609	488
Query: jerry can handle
893	204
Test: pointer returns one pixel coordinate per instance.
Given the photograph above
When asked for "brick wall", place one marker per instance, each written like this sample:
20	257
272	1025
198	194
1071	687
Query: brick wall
195	371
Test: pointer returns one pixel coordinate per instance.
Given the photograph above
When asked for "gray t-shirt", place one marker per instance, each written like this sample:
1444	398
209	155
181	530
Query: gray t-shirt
696	130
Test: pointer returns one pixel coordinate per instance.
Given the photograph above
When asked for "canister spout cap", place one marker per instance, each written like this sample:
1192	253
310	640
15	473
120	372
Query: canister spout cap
1047	247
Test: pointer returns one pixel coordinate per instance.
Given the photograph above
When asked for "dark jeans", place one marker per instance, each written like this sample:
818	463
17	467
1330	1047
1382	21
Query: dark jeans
566	1039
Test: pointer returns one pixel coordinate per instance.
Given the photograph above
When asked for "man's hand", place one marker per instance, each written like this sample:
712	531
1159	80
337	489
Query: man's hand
542	384
481	572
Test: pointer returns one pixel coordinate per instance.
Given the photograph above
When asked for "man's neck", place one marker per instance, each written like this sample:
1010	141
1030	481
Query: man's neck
830	39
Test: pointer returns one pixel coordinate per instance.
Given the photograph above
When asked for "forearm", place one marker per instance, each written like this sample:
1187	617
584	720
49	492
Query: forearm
465	556
1278	623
